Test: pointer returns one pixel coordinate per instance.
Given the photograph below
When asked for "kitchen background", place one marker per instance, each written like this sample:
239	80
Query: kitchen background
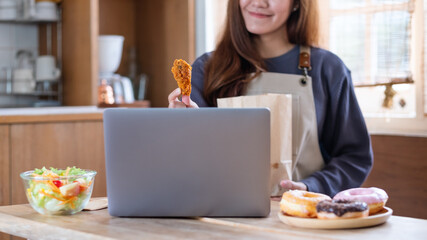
160	31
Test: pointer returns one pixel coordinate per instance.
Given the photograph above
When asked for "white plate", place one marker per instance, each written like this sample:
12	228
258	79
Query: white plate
315	223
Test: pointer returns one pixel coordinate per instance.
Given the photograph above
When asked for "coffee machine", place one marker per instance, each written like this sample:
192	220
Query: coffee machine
110	55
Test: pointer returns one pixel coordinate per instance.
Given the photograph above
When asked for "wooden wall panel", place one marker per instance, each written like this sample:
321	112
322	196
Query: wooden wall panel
118	18
4	165
165	31
80	52
400	168
4	171
59	145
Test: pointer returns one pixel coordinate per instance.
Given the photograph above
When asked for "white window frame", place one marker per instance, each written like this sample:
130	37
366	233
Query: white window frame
210	17
403	126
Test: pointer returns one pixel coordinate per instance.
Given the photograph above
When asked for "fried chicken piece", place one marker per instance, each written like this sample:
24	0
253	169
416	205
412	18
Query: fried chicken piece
182	73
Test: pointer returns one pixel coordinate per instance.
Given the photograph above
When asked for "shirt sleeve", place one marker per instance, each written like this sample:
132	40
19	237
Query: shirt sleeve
344	141
197	80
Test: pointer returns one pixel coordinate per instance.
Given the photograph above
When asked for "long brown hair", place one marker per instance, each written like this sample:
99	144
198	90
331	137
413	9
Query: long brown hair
230	68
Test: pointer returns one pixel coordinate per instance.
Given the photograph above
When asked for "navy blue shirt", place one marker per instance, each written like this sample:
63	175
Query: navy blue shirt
343	137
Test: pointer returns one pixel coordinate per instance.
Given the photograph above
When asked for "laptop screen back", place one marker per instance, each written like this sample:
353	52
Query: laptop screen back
187	162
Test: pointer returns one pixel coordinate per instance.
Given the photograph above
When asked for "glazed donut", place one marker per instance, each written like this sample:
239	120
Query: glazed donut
333	209
301	203
374	197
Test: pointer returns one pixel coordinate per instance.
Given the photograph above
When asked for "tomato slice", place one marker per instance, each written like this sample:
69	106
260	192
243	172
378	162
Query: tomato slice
57	183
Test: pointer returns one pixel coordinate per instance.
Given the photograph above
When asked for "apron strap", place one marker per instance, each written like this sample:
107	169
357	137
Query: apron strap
304	59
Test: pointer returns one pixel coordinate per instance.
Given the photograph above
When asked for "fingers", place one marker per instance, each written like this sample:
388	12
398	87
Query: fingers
275	198
173	96
174	102
186	100
286	184
291	185
192	104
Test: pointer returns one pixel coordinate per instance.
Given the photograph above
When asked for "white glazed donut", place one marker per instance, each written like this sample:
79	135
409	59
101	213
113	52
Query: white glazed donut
301	203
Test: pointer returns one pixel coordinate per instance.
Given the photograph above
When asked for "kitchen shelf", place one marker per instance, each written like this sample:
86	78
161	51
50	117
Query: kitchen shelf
136	104
35	94
50	43
29	21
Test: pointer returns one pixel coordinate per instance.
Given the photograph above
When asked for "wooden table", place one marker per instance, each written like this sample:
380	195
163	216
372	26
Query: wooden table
23	221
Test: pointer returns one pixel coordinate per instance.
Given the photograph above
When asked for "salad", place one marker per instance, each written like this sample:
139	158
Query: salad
58	191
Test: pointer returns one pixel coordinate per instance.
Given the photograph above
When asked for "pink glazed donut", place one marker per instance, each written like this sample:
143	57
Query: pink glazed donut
374	197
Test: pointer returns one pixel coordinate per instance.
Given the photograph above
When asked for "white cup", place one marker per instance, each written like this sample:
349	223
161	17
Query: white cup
110	52
23	81
46	69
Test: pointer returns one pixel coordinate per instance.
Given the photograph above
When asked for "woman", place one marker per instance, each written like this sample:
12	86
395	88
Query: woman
268	46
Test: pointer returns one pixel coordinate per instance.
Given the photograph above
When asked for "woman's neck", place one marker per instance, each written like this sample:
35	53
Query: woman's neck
273	44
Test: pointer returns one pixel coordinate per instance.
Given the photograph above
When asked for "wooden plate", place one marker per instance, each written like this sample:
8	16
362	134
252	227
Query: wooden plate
315	223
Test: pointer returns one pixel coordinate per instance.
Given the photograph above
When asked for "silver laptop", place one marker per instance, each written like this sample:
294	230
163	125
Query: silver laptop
187	162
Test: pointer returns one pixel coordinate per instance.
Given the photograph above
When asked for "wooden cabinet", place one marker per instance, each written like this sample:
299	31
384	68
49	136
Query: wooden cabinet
4	165
52	140
4	171
56	145
160	30
400	168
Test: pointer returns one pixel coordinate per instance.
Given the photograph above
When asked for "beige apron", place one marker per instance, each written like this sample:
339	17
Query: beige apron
306	156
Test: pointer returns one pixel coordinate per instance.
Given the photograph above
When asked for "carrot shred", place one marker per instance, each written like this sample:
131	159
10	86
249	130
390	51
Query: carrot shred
51	196
53	186
69	200
66	173
49	174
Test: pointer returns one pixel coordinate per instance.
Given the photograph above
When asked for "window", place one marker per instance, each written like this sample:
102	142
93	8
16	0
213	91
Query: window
210	17
373	38
381	42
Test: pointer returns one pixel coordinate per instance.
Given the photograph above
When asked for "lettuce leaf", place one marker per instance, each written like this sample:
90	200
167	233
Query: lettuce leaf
40	171
61	172
76	171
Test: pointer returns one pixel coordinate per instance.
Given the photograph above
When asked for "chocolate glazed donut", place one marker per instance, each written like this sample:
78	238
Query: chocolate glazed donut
333	209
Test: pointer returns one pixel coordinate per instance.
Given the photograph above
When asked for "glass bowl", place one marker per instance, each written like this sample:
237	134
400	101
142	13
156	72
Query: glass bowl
58	195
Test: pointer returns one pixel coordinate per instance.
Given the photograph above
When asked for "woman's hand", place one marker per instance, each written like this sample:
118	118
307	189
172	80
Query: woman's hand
174	102
291	185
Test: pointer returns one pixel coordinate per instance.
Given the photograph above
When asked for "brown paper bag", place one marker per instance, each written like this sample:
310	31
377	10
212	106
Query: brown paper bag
280	106
96	204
